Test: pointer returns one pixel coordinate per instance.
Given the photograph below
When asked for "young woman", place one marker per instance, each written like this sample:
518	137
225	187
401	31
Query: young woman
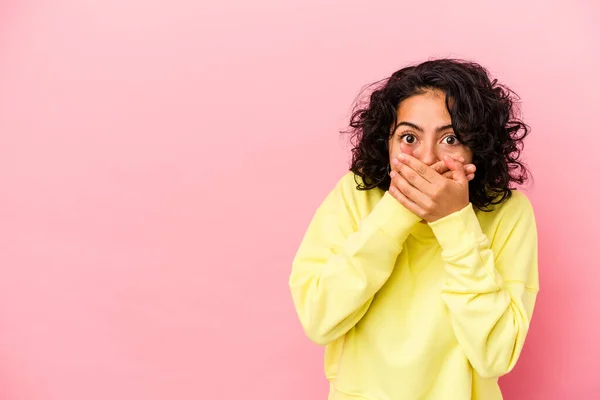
419	270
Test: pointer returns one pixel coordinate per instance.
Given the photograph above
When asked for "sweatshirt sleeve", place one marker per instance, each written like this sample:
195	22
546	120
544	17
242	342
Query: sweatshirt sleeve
343	261
491	286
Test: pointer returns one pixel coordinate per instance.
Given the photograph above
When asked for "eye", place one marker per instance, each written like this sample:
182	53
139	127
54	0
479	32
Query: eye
451	140
408	138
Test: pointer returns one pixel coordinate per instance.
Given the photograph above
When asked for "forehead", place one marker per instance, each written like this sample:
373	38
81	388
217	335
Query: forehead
429	107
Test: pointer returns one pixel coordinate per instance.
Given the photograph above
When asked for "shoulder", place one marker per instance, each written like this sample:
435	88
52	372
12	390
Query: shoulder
519	199
349	181
518	205
513	215
347	194
348	185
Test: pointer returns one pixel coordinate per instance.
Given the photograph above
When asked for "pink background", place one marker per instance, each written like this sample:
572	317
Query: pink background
160	160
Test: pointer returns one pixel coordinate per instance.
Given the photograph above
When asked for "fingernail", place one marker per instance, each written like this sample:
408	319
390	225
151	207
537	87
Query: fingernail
392	174
394	161
401	157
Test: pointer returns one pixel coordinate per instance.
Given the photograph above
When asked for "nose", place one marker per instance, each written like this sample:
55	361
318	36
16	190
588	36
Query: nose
427	154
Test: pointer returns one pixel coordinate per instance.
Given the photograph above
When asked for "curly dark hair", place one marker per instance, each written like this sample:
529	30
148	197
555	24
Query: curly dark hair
484	114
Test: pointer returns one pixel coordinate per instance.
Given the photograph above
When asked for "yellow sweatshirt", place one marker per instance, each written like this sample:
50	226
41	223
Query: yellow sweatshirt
415	311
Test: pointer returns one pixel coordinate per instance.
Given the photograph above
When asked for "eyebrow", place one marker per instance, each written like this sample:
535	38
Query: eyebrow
418	128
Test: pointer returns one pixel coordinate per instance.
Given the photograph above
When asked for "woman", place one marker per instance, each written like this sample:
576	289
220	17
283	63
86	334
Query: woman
419	270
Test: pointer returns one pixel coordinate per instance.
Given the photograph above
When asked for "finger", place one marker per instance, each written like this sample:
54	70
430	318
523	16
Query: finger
408	190
413	178
448	175
406	202
470	169
457	168
440	167
470	176
420	168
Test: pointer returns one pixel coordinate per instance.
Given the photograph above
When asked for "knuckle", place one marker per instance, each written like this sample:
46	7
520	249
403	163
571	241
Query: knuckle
429	205
421	169
403	188
409	174
396	186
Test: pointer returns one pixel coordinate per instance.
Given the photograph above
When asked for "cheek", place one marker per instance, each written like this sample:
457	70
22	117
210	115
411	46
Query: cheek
397	147
468	155
464	152
406	149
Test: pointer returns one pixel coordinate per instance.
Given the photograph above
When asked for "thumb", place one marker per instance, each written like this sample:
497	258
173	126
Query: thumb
458	170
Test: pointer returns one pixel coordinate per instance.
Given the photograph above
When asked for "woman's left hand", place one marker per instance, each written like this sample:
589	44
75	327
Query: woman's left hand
424	191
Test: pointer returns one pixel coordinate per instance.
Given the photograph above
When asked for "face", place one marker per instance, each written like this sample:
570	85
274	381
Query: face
424	130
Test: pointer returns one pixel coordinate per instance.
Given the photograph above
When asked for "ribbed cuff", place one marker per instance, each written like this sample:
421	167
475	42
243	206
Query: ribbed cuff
392	218
457	231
